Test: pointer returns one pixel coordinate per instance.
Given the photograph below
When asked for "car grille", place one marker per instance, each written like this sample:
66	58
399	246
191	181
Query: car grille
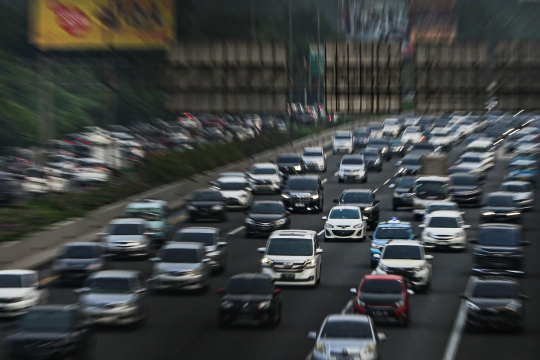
313	166
5	301
300	199
443	237
232	201
343	232
493	262
288	267
405	272
177	273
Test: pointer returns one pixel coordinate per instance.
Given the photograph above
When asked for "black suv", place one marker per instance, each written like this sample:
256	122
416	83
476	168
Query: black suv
265	217
494	303
467	189
250	297
499	250
51	332
410	165
373	159
291	164
366	201
422	147
75	261
303	193
361	137
403	192
383	145
500	207
207	204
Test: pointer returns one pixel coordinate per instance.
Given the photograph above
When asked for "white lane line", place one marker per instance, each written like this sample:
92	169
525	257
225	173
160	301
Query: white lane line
310	356
396	174
347	308
386	182
452	346
335	174
320	232
236	230
324	181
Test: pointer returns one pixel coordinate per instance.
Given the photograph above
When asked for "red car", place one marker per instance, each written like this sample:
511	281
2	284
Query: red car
384	298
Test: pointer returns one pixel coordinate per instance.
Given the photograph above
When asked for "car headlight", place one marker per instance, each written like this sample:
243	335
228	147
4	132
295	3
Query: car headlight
377	161
226	304
213	254
399	303
196	272
192	208
369	352
359	226
472	306
329	226
428	234
459	234
383	267
368	209
320	348
513	213
281	222
310	263
250	221
297	167
513	306
94	266
267	262
264	305
418	268
488	213
315	196
217	207
285	196
376	246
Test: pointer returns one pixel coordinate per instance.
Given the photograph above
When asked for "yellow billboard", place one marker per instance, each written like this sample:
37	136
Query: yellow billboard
101	24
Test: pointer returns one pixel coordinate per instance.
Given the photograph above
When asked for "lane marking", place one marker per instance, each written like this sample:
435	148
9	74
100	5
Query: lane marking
48	279
335	174
386	182
320	232
347	308
324	181
178	219
236	230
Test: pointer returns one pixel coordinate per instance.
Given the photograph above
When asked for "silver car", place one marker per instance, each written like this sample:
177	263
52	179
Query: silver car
216	249
522	192
127	237
113	297
181	266
347	337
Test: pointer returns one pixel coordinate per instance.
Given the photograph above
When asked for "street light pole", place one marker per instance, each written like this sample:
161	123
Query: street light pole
318	62
290	71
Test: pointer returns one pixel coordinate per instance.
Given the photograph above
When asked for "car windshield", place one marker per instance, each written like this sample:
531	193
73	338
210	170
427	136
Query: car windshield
341	213
431	189
150	214
267	208
516	187
405	183
241	286
412	129
500	201
391	122
370	155
288	159
207	196
48	321
184	256
440	207
411	161
470	159
352	161
108	285
232	186
80	252
355	197
313	153
361	133
302	184
499	237
495	290
464	180
382	287
443	222
402	252
10	281
343	136
377	143
126	229
391	233
206	238
292	247
343	329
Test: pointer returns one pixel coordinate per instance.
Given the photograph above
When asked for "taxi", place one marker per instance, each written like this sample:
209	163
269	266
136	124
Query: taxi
393	229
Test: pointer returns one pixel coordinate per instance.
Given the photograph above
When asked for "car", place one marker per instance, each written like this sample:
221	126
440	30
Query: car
522	169
365	199
350	336
442	206
464	169
499	250
20	290
315	159
442	138
444	229
345	223
232	174
467	189
206	204
397	147
113	297
478	163
494	303
410	164
500	207
411	135
392	127
303	193
361	137
383	145
373	159
352	167
408	259
343	142
386	231
250	296
127	237
291	164
292	257
375	130
403	192
216	248
51	332
181	266
156	213
235	191
265	217
265	177
523	193
410	120
384	298
76	260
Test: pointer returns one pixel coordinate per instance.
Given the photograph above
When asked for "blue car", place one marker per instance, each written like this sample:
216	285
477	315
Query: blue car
522	168
386	231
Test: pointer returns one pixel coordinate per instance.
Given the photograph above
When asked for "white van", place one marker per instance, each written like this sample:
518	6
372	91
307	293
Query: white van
343	142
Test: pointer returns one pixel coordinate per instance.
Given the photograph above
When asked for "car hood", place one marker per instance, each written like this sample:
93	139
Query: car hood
489	302
469	165
400	190
443	231
402	263
8	293
247	297
205	203
272	177
343	222
265	217
165	266
124	238
106	299
498	209
522	195
351	167
342	347
496	249
289	258
81	262
342	141
381	298
300	193
310	159
233	193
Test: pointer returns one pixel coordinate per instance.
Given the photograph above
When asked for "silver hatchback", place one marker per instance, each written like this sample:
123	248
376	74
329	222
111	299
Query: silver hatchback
127	237
216	249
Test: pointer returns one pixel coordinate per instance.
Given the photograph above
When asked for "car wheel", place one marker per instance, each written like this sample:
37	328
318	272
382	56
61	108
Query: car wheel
394	207
364	179
373	264
248	235
340	180
379	169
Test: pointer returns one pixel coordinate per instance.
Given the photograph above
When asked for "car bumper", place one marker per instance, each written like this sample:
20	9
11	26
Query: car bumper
351	233
112	317
500	219
15	309
315	166
247	314
141	250
402	201
342	149
454	243
352	176
192	282
311	204
263	229
492	320
265	188
306	277
209	214
382	313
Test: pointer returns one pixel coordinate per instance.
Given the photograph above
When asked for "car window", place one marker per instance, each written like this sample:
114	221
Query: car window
150	214
313	153
263	171
464	180
381	287
240	286
288	159
341	213
80	252
104	285
232	186
495	290
343	136
443	222
302	184
10	281
405	182
499	237
292	247
402	252
433	208
353	197
207	196
346	330
184	256
267	208
513	188
500	201
126	229
207	238
392	233
411	161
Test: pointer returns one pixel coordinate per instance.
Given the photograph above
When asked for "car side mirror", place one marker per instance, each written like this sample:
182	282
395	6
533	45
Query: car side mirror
149	234
525	243
140	291
353	291
281	174
82	291
325	218
312	335
391	186
463	296
261	250
410	292
222	244
206	260
248	189
422	226
213	183
101	235
336	201
473	241
220	291
287	213
377	256
429	257
318	251
155	259
466	226
277	292
382	337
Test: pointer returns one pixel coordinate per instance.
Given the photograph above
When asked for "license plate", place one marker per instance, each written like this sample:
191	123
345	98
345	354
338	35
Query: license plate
378	313
299	205
287	276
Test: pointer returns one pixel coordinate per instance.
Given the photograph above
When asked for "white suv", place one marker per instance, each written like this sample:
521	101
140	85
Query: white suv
235	191
292	257
352	167
265	177
444	229
345	222
391	127
408	259
343	142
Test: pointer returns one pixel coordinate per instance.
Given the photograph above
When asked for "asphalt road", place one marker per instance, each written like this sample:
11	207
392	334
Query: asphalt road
184	326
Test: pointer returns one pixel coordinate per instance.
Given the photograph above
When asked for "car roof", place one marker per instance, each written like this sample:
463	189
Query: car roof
182	245
500	193
145	202
232	174
250	276
54	307
515	183
314	177
492	279
499	226
445	213
305	234
205	190
351	156
17	272
357	190
383	277
232	179
443	203
347	317
114	273
264	165
343	132
402	224
345	207
83	243
128	221
313	149
201	229
405	242
474	153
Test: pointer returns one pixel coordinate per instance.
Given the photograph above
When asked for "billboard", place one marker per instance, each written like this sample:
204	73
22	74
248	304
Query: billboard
432	21
101	24
377	20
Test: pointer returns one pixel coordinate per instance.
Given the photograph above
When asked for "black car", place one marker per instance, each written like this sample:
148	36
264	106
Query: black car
500	207
366	201
373	159
265	217
410	165
303	192
250	297
494	303
207	204
383	145
51	332
75	261
397	147
291	164
467	189
403	193
361	137
421	147
499	250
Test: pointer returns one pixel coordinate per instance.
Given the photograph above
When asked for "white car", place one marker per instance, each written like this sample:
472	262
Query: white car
442	206
19	291
235	191
408	259
314	158
444	229
412	134
265	177
352	167
391	127
477	163
522	192
40	181
441	137
345	222
343	142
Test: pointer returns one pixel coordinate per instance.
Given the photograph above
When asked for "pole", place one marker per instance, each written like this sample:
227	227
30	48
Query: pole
318	61
252	17
290	69
46	100
305	82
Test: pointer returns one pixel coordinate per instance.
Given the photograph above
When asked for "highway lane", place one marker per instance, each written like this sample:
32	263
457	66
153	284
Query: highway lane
184	326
